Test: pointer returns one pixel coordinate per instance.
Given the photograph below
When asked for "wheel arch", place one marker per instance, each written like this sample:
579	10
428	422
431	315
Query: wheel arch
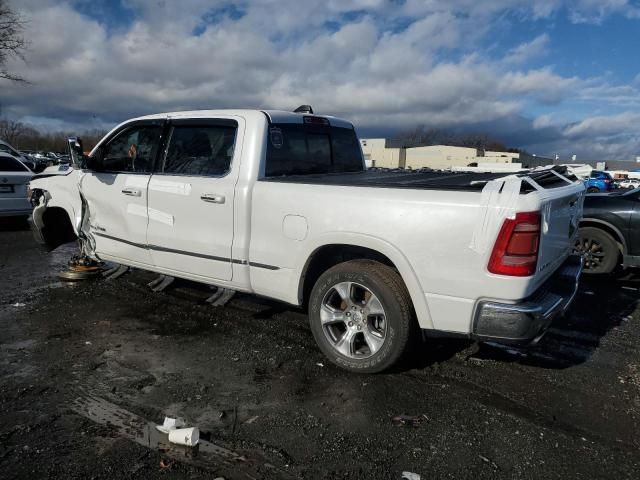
608	228
333	250
55	222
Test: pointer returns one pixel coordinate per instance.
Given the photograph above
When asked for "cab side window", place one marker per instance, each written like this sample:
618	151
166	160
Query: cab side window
132	151
202	151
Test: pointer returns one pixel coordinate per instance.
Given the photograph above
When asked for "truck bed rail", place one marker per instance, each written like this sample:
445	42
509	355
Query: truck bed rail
428	179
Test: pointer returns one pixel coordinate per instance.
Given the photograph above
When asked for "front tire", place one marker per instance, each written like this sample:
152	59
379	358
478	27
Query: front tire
361	316
598	249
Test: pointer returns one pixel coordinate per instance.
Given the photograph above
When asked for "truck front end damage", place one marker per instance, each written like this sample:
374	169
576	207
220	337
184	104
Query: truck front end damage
50	225
59	213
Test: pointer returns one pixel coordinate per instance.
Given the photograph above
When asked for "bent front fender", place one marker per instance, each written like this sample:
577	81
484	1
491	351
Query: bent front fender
50	226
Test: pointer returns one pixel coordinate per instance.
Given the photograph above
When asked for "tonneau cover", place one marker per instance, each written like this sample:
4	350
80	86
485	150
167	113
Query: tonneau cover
425	179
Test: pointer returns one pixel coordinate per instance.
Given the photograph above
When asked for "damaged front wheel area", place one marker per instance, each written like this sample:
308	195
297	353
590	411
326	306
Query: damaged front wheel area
81	267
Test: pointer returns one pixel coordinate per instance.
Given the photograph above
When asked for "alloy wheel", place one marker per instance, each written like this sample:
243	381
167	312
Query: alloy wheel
591	251
353	320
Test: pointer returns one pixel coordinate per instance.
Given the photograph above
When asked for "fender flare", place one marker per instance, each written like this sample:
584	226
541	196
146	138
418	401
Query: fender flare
379	245
623	240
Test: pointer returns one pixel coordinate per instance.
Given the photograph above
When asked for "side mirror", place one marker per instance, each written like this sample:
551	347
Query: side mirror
76	153
79	159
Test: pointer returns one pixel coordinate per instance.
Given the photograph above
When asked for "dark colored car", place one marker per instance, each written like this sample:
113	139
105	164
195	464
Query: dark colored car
609	234
599	182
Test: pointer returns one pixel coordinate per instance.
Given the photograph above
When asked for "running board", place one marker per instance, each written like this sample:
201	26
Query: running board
115	272
221	297
160	283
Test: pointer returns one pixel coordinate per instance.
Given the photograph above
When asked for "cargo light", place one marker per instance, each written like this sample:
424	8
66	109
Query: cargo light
515	252
315	120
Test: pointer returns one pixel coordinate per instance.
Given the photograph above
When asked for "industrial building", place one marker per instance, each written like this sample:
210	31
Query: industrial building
377	154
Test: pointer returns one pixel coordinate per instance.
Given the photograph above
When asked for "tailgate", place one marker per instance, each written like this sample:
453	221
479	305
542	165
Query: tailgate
561	212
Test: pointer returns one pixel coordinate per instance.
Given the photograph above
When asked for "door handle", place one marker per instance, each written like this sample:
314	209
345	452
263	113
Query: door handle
212	198
134	192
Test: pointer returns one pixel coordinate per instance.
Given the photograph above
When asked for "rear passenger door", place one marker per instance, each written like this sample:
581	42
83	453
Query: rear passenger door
191	198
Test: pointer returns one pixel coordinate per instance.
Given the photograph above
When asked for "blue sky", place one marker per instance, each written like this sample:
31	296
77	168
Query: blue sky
552	76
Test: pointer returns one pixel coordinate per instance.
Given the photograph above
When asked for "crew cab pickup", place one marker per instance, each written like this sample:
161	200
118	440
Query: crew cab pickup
280	204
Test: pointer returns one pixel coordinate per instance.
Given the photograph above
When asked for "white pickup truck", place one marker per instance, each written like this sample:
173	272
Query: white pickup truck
280	204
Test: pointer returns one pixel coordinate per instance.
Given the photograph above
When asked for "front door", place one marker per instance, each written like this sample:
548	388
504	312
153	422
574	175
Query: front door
191	197
116	195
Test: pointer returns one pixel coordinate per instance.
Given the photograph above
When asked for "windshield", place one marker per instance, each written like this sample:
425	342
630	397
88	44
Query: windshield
7	149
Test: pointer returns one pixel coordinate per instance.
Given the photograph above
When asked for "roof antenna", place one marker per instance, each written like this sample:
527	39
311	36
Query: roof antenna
304	109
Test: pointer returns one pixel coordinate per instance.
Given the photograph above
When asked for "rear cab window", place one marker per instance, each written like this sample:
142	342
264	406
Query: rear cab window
307	149
8	164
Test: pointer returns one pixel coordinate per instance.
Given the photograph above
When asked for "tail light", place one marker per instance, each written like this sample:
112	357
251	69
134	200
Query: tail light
515	252
606	180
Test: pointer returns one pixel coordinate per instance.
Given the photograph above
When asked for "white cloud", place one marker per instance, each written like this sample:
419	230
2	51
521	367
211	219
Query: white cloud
543	121
527	51
620	124
384	66
542	83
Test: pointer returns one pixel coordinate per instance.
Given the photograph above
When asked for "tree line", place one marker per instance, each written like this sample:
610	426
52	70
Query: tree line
422	136
26	137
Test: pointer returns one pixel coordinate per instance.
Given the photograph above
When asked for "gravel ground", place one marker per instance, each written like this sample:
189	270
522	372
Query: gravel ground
86	369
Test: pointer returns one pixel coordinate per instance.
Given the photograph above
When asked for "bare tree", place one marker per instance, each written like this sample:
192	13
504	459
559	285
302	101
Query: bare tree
422	136
11	131
12	43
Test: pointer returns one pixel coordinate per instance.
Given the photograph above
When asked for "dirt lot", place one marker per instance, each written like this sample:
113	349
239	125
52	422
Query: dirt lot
85	367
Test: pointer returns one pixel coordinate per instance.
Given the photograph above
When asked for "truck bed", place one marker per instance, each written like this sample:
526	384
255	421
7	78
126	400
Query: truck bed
424	179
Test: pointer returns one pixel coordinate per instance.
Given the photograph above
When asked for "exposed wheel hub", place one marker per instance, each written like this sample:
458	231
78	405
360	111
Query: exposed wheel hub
591	251
353	320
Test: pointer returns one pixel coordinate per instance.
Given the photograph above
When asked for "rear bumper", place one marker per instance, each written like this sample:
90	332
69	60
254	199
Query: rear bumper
14	206
526	321
23	212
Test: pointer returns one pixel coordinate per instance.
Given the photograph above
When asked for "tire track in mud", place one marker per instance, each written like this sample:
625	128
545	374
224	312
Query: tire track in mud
493	399
207	455
576	344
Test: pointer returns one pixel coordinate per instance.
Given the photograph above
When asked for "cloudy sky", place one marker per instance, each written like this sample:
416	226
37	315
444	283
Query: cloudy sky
553	76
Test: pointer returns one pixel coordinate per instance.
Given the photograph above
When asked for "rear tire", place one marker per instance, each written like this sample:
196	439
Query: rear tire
361	316
593	190
598	249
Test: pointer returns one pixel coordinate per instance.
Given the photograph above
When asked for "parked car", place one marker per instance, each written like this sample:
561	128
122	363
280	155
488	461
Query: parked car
609	234
630	183
280	204
8	149
14	178
599	182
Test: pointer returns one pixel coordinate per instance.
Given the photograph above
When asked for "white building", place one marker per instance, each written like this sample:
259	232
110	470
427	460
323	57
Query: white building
501	157
376	154
440	156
